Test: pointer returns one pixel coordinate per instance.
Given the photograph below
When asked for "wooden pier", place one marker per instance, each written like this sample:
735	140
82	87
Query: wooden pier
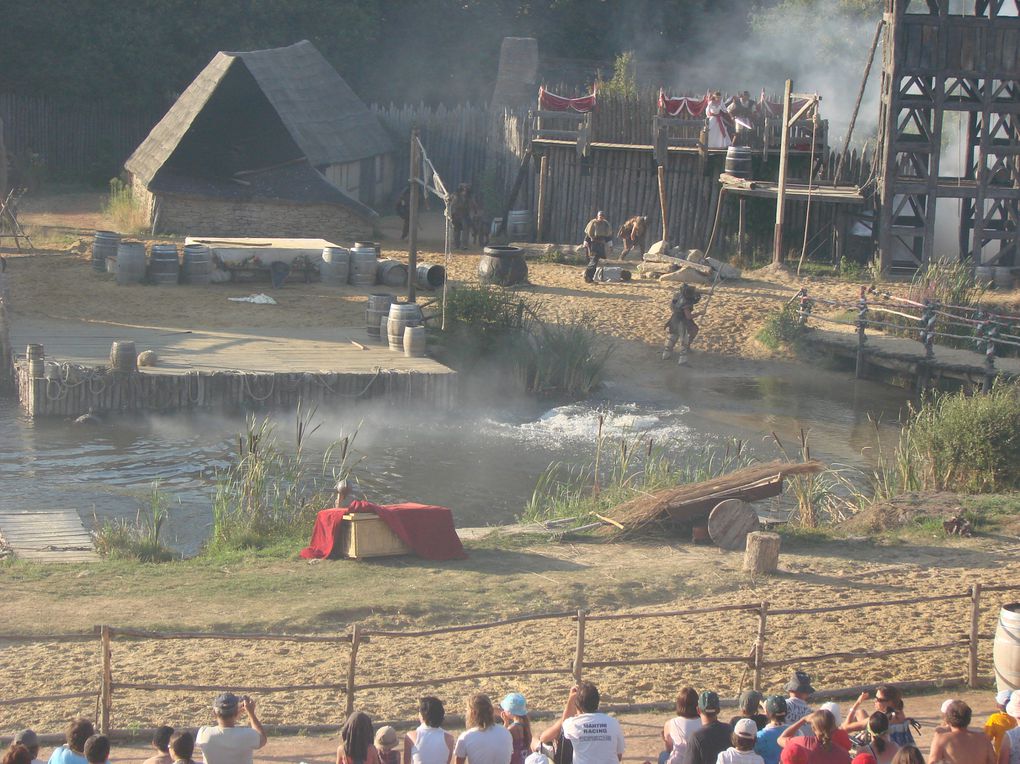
46	535
220	370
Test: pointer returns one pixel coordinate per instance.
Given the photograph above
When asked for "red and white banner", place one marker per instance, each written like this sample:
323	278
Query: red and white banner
552	102
682	106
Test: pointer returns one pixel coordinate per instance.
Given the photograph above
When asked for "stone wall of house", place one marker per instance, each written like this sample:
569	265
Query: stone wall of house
198	216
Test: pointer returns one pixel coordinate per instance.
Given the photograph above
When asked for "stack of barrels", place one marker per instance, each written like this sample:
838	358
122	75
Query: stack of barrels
405	329
377	313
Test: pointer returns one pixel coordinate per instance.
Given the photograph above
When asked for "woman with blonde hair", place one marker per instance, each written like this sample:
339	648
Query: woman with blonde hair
484	741
819	748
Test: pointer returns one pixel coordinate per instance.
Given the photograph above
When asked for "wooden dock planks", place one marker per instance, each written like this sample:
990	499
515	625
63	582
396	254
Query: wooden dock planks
47	535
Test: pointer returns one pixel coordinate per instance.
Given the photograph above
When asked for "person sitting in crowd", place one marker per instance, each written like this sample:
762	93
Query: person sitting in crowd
833	708
161	742
97	749
749	704
16	754
227	743
430	743
595	738
73	751
820	747
798	690
878	749
386	745
514	711
714	737
1009	749
766	745
356	741
678	730
909	754
1000	722
182	747
484	741
30	740
888	700
745	733
959	744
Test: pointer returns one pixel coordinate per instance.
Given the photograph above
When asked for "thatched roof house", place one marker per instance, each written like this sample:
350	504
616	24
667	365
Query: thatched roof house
265	143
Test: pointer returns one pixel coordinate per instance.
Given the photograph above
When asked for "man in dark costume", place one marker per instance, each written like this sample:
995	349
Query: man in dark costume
681	322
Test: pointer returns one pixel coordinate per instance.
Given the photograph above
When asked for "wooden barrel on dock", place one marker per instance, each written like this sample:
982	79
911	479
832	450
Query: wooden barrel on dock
123	356
130	263
370	245
36	360
336	265
504	266
402	315
414	341
104	247
363	266
164	267
391	273
378	310
428	276
1006	648
197	266
738	161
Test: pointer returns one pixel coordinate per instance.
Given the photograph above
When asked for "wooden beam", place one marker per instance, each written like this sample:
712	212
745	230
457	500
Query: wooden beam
777	240
412	221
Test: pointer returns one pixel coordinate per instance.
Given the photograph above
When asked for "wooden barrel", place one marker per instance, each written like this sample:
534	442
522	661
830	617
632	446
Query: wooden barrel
164	267
505	266
123	356
1006	648
34	351
428	276
738	161
518	224
378	310
363	266
130	262
369	245
36	360
391	273
336	265
402	315
197	267
414	341
104	246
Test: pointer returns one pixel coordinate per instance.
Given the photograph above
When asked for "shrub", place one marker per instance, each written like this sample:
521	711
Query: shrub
139	540
781	327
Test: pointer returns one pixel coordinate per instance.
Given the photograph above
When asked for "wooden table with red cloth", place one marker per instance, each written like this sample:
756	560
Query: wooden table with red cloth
427	530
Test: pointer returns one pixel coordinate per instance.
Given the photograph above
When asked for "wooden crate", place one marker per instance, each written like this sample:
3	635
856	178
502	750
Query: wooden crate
366	535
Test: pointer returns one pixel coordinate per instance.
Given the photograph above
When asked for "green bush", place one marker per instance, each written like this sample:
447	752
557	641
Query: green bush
140	540
781	327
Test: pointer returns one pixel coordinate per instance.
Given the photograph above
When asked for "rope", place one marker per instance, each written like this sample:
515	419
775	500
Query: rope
439	189
247	388
321	382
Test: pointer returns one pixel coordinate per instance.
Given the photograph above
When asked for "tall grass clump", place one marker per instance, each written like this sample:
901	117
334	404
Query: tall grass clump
945	283
781	327
140	540
561	358
123	210
270	494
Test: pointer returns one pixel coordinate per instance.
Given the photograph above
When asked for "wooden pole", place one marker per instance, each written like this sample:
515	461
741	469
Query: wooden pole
355	643
857	105
579	652
759	645
741	225
543	172
661	171
412	221
784	147
975	615
106	682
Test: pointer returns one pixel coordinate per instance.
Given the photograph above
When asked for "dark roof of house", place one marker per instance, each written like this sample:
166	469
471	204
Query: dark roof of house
326	119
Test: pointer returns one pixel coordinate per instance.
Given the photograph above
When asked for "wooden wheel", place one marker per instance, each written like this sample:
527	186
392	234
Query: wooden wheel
730	522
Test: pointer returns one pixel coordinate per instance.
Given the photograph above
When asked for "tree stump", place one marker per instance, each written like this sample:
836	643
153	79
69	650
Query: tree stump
762	553
730	521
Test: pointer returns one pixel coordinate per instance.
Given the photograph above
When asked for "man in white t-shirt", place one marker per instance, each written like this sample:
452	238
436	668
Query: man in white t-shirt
226	743
595	737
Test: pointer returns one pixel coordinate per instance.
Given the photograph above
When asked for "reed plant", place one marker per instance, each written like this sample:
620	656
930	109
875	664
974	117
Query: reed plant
944	283
139	540
124	211
561	358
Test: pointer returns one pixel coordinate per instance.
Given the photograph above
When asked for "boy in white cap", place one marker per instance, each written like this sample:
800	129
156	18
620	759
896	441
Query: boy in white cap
999	723
745	732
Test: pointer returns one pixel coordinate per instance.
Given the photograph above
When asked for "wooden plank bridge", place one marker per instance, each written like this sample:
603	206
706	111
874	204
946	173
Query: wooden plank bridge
46	535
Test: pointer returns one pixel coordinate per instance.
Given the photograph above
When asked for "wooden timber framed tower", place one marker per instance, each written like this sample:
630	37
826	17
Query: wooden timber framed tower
943	57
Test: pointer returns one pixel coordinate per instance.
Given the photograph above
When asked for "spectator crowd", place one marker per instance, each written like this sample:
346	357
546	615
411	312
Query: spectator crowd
779	729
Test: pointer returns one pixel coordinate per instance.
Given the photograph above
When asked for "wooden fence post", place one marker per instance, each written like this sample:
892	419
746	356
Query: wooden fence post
975	614
106	681
355	642
759	645
579	653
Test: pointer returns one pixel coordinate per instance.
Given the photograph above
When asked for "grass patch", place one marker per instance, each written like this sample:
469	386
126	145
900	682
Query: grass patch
140	540
124	211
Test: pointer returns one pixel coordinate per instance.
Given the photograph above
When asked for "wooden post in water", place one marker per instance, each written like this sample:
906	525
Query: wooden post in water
662	201
412	221
784	148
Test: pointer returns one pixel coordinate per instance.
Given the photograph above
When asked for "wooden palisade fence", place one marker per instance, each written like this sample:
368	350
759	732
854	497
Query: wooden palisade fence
756	661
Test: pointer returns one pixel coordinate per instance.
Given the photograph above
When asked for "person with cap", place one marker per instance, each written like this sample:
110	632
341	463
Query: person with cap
765	743
714	737
798	690
960	745
73	751
386	745
1000	722
30	740
596	738
750	708
597	235
745	732
161	742
1009	748
823	746
226	742
514	711
430	743
677	731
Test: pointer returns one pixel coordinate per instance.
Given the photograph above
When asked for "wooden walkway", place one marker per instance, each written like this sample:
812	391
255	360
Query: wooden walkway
46	535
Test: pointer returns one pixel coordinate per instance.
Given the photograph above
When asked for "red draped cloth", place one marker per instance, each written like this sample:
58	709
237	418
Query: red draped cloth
427	530
682	106
552	102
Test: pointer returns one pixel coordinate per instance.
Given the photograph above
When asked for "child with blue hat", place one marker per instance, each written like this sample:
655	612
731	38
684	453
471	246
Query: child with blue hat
514	710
